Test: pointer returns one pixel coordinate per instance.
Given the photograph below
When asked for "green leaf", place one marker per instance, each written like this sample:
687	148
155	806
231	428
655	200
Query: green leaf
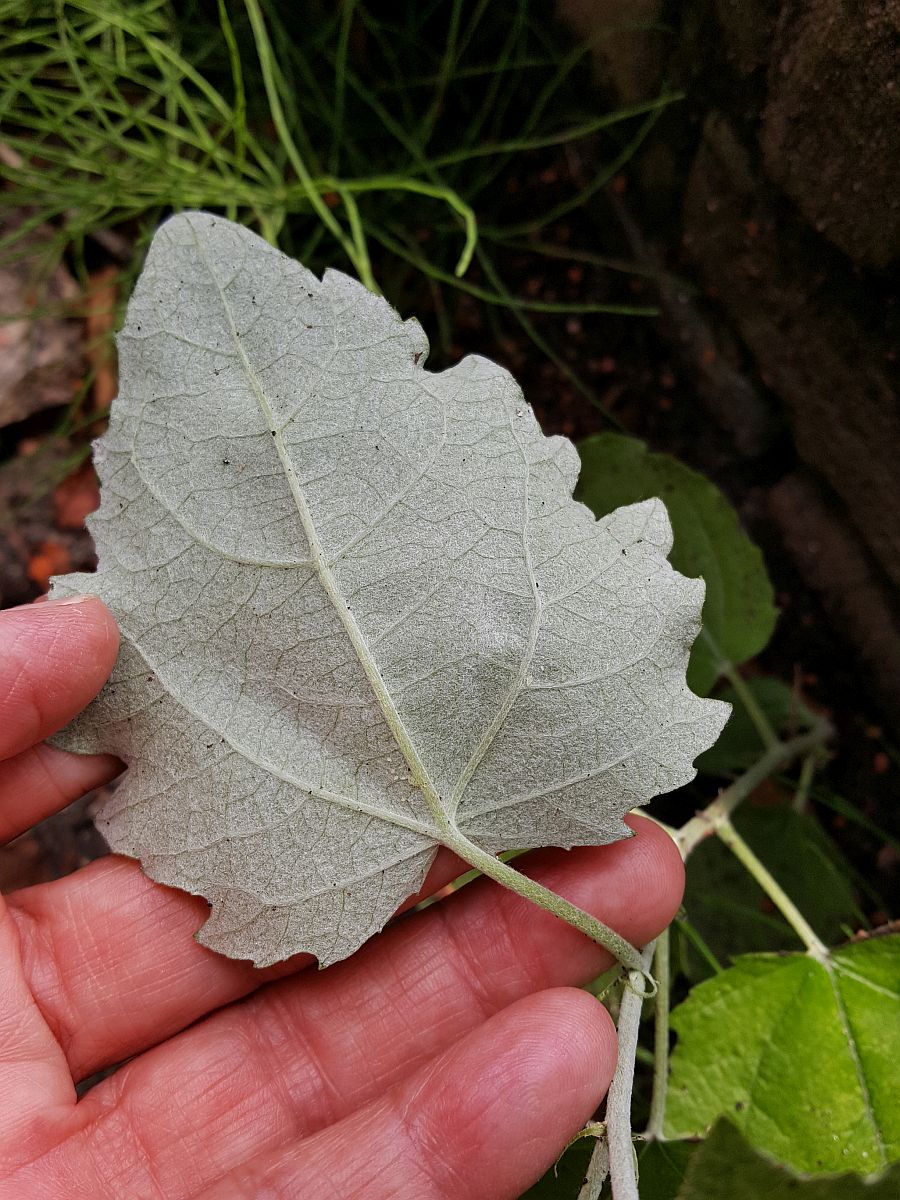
731	912
725	1167
361	614
739	612
803	1056
662	1167
739	745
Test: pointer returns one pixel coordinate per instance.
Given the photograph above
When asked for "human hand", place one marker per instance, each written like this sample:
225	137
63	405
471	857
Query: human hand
450	1057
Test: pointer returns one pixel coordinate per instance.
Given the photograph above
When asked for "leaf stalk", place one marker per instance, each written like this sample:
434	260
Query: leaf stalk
773	889
716	818
505	874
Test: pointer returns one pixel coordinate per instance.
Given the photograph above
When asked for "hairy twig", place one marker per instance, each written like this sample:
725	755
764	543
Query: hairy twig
617	1154
662	973
705	823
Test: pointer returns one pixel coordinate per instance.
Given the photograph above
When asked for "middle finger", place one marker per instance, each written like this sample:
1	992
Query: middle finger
114	967
306	1052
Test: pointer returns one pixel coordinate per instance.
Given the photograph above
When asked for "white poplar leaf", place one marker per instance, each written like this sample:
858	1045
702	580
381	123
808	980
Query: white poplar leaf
361	613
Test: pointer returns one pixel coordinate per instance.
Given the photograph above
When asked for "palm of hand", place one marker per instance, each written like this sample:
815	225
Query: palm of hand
448	1058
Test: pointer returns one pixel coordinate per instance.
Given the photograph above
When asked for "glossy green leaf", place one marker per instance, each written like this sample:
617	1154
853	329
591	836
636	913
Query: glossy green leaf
803	1056
726	1167
739	612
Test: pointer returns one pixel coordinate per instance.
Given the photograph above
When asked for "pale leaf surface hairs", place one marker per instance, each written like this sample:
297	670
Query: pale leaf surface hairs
361	614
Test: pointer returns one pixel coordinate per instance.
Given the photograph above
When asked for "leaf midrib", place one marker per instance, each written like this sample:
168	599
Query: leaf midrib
830	968
420	776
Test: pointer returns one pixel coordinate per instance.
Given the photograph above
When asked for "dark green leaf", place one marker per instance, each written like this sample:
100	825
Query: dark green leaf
662	1168
564	1179
739	744
727	1168
739	613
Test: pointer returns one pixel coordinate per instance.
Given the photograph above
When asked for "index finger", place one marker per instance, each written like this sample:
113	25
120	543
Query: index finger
54	659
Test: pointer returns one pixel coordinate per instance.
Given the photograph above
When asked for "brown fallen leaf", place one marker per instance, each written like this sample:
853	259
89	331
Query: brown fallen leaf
50	558
100	318
40	356
76	497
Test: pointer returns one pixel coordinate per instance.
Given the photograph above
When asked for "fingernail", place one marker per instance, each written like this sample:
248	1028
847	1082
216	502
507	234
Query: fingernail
60	600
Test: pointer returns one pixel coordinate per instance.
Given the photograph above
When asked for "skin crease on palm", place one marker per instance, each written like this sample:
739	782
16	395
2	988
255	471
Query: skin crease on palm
453	1056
